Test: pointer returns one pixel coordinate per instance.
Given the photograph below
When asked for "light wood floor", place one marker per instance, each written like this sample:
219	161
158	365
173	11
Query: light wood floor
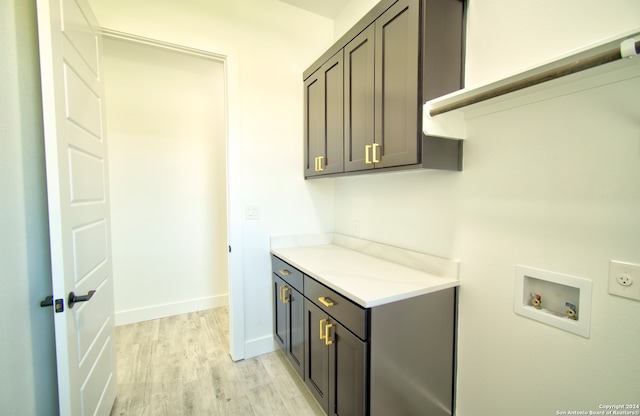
181	366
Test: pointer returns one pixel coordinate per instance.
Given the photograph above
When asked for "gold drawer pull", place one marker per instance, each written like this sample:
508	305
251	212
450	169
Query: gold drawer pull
326	301
284	272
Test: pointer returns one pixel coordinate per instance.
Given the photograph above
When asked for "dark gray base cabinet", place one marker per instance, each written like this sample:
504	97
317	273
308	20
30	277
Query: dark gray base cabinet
336	365
288	325
392	359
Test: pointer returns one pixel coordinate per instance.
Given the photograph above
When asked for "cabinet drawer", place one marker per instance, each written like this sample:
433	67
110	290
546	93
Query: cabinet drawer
352	316
289	274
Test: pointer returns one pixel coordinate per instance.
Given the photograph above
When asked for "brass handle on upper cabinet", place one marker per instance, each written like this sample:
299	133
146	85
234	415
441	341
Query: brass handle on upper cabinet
375	153
320	164
326	301
285	296
367	160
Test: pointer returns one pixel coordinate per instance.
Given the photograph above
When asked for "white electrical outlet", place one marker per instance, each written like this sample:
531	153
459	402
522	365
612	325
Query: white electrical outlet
356	228
624	279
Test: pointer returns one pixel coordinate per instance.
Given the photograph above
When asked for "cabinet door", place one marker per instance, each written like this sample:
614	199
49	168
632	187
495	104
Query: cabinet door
347	373
398	110
359	108
279	314
317	355
323	119
288	323
295	329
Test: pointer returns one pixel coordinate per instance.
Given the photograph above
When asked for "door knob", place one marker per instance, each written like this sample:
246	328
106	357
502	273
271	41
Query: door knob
73	298
49	301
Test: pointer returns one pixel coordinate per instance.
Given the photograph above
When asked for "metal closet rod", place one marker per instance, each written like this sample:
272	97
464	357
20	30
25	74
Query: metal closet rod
568	69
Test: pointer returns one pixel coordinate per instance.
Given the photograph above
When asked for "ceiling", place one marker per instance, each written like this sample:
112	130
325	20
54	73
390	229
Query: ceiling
326	8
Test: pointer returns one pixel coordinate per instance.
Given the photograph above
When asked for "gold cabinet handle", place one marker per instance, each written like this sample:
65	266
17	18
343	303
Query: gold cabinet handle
320	163
325	336
367	160
326	301
285	295
280	294
327	341
284	272
316	162
322	321
375	153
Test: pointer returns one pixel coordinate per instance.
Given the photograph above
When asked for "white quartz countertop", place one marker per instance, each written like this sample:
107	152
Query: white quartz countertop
365	279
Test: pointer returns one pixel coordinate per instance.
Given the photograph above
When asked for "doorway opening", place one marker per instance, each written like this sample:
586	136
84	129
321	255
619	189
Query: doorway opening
167	125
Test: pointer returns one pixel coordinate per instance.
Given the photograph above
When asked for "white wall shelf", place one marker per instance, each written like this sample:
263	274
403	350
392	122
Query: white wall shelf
451	124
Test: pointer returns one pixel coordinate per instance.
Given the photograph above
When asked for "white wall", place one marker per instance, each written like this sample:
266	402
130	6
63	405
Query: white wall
553	185
167	154
504	37
28	378
352	12
269	44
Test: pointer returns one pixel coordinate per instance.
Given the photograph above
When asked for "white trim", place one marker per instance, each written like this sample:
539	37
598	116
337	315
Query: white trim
259	346
162	44
170	309
229	58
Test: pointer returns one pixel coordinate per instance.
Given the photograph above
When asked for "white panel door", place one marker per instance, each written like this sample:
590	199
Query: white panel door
77	186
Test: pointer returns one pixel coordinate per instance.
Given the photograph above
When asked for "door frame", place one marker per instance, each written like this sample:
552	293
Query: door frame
234	200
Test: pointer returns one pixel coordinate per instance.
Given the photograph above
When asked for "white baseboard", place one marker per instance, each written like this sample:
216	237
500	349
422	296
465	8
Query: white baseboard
148	313
259	346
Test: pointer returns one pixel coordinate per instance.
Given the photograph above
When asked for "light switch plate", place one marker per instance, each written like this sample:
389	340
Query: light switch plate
624	279
252	212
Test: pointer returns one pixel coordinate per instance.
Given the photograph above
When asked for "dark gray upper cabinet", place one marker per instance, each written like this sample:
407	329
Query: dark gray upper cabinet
401	54
397	101
359	103
323	119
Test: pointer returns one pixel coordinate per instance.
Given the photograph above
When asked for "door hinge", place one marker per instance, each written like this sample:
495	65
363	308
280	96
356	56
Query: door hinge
48	301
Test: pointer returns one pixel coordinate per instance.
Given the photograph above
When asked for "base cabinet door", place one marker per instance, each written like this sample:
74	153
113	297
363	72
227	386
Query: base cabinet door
279	314
347	373
288	323
295	345
336	365
317	353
